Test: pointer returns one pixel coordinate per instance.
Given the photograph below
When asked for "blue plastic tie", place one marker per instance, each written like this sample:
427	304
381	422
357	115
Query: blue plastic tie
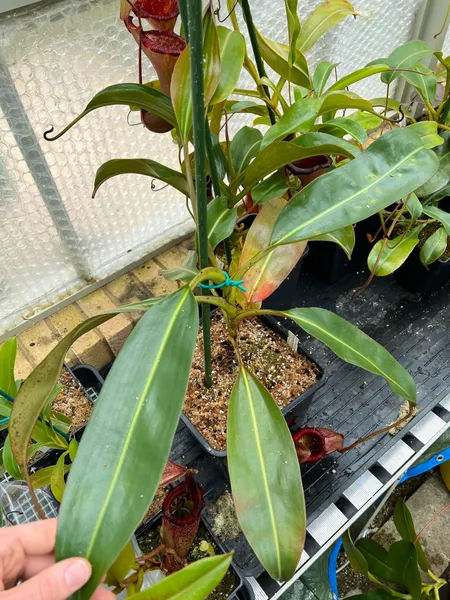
227	283
5	420
6	396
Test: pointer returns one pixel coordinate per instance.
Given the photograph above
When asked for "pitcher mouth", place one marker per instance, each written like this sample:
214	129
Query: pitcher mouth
156	9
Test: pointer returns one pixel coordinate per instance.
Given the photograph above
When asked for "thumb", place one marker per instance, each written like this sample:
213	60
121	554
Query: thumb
57	582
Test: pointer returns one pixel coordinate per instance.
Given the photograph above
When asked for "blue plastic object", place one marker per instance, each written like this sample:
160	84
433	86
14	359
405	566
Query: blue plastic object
227	283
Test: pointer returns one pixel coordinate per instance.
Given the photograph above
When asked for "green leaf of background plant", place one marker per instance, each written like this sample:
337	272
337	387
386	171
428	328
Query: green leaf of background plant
404	57
221	220
139	95
126	445
140	166
428	133
377	594
414	207
73	449
376	557
402	559
276	55
299	118
246	106
7	362
124	563
185	272
434	247
194	582
244	146
180	87
36	389
293	22
342	126
440	215
393	254
442	176
321	76
436	196
355	556
392	167
358	75
43	477
354	346
232	53
366	120
57	483
9	461
328	14
426	85
265	477
273	187
279	154
345	238
405	526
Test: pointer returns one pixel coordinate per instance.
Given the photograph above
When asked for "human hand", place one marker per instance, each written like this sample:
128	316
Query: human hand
27	553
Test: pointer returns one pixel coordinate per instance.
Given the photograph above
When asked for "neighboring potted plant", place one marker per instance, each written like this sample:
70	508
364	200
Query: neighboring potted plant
126	444
400	571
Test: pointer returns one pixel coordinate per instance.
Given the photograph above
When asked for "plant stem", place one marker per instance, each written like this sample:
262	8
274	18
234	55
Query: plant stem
193	25
255	47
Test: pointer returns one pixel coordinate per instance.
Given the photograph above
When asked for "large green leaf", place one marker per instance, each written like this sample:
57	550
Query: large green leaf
181	87
264	277
7	361
385	258
376	557
402	559
194	582
392	167
273	187
265	477
354	346
405	527
342	126
185	272
428	133
351	78
345	238
279	154
404	57
434	247
244	146
140	166
232	53
126	444
442	176
221	220
36	389
328	14
276	56
440	215
134	94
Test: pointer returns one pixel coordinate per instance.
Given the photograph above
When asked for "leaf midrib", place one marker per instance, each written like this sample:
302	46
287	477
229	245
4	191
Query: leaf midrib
134	421
262	465
349	198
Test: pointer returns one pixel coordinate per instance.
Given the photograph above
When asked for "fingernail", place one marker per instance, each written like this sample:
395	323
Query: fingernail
77	574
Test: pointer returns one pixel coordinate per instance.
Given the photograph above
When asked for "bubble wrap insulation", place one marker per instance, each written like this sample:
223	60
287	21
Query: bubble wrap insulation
56	56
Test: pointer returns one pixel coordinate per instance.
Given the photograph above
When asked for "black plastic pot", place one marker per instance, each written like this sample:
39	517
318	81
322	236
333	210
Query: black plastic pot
415	277
327	261
305	398
155	523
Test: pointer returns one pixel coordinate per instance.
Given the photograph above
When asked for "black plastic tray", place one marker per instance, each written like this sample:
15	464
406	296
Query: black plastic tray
304	400
155	521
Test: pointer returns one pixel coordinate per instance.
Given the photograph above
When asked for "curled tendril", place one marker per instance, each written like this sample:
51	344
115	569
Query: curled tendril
218	9
154	188
128	120
48	132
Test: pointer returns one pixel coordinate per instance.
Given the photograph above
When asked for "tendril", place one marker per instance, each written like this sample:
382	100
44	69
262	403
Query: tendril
218	9
154	188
